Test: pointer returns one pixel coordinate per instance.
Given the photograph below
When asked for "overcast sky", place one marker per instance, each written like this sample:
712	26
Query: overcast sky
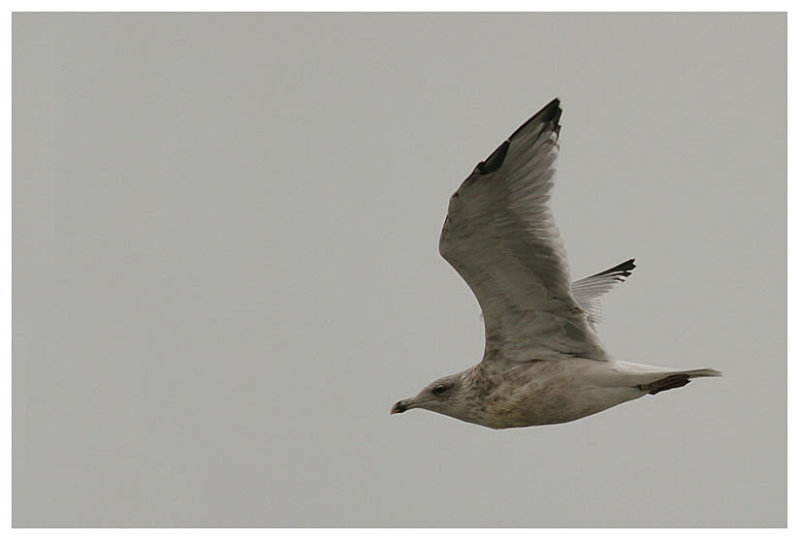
226	266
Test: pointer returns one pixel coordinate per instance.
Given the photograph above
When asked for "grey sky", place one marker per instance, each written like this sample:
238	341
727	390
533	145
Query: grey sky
226	269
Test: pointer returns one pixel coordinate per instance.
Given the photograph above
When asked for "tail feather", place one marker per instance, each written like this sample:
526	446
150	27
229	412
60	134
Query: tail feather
676	380
702	373
642	375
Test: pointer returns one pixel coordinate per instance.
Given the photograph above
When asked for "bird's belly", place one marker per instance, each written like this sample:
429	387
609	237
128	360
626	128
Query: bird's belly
551	398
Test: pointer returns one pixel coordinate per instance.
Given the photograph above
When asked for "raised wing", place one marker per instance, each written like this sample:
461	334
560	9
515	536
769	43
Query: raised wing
587	291
500	236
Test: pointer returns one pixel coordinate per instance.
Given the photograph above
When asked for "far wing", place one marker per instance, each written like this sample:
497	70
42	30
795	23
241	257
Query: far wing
500	236
587	291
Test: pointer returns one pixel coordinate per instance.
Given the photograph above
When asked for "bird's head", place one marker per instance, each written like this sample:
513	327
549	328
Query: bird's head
445	396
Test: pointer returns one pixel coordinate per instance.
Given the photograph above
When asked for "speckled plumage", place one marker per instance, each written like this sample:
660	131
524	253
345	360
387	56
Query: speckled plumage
543	362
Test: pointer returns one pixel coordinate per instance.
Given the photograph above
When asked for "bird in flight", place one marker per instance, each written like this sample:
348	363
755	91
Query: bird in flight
543	362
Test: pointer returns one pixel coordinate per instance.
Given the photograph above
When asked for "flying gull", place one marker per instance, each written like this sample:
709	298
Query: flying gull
543	362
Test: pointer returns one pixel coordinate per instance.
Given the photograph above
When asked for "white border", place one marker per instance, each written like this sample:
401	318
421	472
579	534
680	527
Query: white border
408	5
400	5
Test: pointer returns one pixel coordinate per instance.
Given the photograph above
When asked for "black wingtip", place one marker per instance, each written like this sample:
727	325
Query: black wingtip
625	269
550	113
493	162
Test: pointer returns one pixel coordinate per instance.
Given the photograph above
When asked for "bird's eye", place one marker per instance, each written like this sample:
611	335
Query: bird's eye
439	389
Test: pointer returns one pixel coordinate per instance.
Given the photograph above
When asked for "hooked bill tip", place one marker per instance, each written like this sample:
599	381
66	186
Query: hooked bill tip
399	407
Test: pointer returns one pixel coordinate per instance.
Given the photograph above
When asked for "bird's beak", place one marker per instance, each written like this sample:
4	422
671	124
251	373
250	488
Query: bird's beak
401	406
